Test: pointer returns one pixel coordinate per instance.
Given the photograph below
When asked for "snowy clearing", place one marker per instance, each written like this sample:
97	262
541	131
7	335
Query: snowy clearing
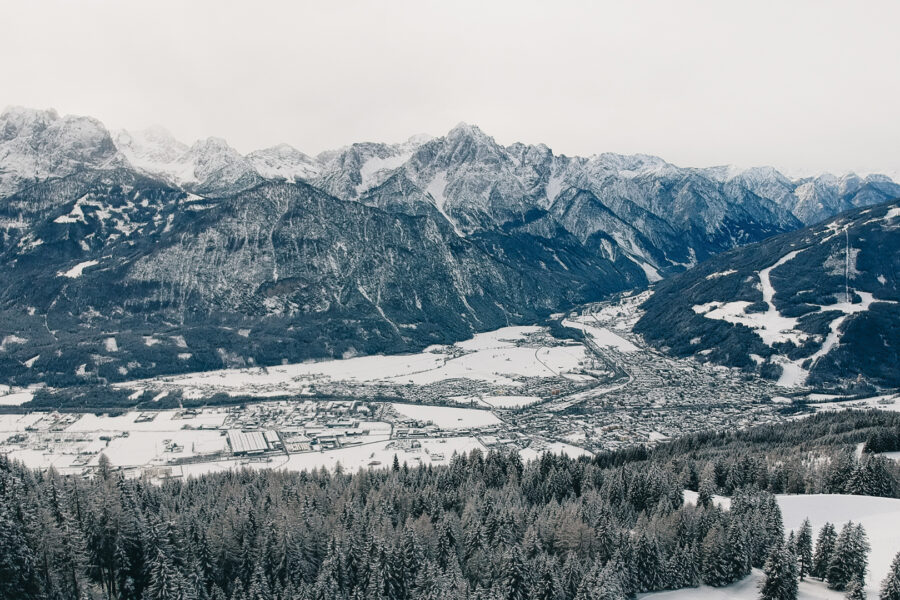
746	589
16	399
510	401
491	357
602	336
535	452
879	516
721	274
76	271
890	402
447	417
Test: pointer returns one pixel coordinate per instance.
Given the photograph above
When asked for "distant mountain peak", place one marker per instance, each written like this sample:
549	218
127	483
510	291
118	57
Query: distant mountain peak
463	129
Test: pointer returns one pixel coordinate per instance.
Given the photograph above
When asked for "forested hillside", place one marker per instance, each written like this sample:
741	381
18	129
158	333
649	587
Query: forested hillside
819	306
485	526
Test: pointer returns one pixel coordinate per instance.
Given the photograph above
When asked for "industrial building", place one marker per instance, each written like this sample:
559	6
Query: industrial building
247	442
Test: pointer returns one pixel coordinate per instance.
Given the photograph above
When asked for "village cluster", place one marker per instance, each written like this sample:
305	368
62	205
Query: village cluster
516	388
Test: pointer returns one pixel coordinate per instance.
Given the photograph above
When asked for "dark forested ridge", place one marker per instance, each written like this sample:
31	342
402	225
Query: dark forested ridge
838	278
484	526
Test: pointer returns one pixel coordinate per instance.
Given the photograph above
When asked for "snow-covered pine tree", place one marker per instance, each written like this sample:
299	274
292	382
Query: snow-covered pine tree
648	564
857	589
849	559
515	575
715	570
602	584
259	586
737	551
824	551
166	583
804	549
890	587
860	554
707	487
781	574
682	568
840	571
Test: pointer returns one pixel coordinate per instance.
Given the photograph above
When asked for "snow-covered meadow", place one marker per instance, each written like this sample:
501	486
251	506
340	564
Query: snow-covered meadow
496	357
879	516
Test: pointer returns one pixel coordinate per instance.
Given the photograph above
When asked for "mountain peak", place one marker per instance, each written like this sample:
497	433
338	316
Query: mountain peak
419	139
464	129
283	162
213	143
24	112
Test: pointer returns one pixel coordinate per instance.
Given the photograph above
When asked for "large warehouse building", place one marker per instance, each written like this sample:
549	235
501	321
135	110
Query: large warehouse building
247	442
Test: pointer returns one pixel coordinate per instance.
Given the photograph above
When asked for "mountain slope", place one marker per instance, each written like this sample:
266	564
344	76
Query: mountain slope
278	272
136	254
816	306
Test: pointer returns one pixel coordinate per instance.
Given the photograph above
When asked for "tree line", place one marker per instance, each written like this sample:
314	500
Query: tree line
486	526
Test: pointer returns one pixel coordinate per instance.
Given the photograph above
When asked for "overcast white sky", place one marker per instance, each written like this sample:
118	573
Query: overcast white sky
805	86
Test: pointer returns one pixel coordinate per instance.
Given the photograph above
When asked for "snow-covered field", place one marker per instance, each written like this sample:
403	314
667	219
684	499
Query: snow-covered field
889	402
491	357
447	417
124	441
509	401
600	335
15	398
879	516
351	458
746	589
535	452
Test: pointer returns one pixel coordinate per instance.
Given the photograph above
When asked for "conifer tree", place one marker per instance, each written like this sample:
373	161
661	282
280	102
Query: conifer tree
715	569
603	583
857	589
737	552
648	564
259	585
683	571
237	591
515	576
824	551
545	585
890	587
166	582
804	549
781	574
849	559
707	488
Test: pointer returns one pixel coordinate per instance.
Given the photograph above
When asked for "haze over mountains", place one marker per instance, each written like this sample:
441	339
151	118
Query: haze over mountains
195	256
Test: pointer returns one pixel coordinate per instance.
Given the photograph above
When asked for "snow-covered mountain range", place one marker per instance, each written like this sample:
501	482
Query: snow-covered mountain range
373	247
